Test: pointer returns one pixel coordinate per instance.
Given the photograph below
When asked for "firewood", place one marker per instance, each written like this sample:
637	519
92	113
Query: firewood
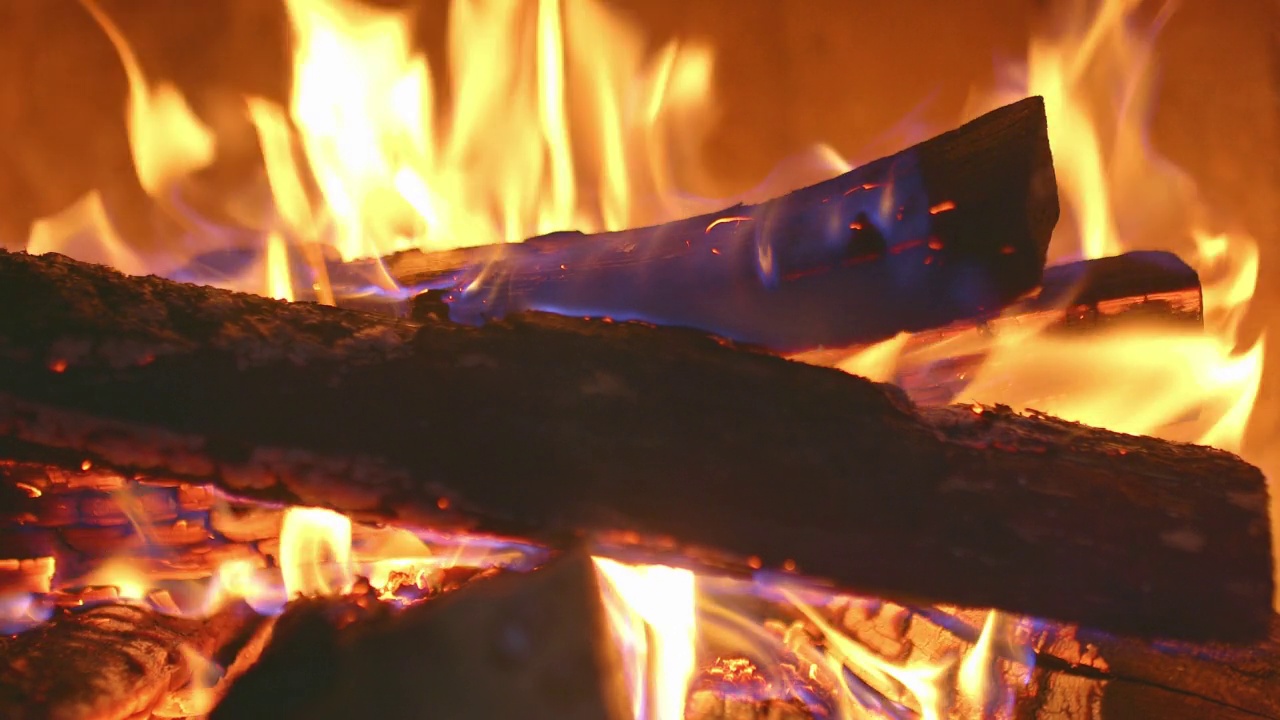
1078	674
529	645
1146	288
541	424
106	663
954	227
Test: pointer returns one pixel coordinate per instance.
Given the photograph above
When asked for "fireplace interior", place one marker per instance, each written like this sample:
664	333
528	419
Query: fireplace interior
477	359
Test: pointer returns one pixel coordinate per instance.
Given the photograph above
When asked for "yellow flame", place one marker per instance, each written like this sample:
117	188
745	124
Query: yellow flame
84	230
878	361
126	575
315	552
651	613
559	116
168	141
923	681
976	677
1179	384
501	164
279	283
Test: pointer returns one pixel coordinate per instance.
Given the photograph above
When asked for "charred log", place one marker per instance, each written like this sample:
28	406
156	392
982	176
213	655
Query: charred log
542	424
530	645
1138	289
955	227
112	661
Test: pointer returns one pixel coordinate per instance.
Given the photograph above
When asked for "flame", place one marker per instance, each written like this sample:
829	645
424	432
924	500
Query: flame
651	615
84	230
532	85
315	552
279	284
558	116
1118	195
128	577
167	140
976	675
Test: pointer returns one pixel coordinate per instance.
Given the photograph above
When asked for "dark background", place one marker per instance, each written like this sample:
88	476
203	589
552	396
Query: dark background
788	73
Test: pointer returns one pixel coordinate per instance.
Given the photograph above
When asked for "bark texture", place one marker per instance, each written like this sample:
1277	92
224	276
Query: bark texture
543	425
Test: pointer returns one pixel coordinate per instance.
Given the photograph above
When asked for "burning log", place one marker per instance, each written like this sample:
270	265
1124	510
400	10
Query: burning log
542	424
111	661
528	645
955	227
1078	674
1088	296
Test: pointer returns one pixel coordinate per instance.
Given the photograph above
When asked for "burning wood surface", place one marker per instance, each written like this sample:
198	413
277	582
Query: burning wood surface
619	426
765	650
979	504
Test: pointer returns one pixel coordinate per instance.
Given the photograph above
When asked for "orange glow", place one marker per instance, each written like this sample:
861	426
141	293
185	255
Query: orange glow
859	188
942	207
58	366
720	221
128	578
31	490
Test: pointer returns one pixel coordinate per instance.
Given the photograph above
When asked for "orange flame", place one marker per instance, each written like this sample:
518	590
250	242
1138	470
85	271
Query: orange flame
1178	384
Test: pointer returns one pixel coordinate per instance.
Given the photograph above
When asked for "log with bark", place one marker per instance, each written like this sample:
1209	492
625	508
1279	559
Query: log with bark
108	662
1146	289
954	227
541	424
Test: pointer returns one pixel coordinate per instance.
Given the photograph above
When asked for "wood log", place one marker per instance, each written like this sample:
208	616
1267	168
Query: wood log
106	663
540	424
1147	288
1036	670
1081	674
529	645
954	227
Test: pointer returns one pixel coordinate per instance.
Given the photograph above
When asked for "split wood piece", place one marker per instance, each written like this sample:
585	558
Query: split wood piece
954	227
1147	288
106	663
1083	674
530	645
542	424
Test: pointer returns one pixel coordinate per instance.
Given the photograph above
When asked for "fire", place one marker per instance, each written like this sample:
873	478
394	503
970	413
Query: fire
651	614
315	552
556	117
548	116
167	140
532	83
1118	195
